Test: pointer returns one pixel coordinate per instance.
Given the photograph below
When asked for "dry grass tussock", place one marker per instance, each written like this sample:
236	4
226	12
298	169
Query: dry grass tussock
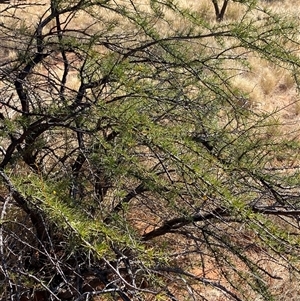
267	87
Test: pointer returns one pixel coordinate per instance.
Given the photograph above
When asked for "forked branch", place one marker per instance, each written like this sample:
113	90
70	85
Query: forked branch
179	222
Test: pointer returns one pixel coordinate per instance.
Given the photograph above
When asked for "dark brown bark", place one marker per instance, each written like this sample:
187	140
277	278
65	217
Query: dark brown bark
220	13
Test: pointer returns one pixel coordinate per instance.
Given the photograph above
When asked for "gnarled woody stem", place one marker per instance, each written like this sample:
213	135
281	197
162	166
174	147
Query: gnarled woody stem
22	202
179	222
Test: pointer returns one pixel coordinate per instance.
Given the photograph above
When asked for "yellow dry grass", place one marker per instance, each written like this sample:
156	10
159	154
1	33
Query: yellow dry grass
267	86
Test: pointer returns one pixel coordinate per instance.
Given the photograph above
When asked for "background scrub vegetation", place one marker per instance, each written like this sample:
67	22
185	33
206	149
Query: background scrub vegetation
149	150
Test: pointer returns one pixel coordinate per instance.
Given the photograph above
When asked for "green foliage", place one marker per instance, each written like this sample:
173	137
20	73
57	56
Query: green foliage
129	154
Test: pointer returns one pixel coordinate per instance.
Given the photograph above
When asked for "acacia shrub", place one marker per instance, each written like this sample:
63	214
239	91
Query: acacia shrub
128	160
